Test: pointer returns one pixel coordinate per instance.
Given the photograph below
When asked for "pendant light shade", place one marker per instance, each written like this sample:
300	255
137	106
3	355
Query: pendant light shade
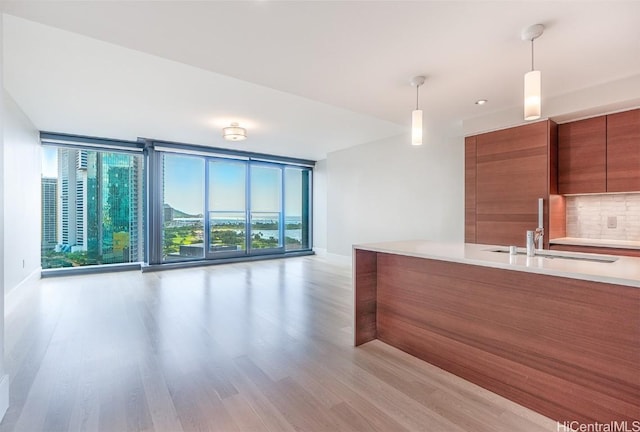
532	79
416	115
532	105
416	127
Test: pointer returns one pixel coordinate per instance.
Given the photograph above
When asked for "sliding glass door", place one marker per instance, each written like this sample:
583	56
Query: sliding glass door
215	207
266	231
227	208
182	208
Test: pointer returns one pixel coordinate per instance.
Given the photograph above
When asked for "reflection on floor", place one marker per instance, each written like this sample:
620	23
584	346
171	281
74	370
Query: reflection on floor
261	346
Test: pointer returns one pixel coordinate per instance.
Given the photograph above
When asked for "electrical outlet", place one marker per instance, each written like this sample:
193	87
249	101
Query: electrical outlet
612	222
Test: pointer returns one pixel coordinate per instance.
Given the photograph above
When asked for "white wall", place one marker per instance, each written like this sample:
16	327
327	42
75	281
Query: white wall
4	379
22	173
320	205
618	95
390	190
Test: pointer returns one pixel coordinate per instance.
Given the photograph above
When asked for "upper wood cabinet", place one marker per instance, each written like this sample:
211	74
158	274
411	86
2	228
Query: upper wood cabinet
582	156
623	151
600	154
513	168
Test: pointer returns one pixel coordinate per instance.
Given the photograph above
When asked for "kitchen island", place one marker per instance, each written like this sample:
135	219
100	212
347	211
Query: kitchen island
560	335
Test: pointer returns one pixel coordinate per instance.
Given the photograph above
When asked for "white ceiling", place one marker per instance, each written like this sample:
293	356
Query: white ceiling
307	78
70	83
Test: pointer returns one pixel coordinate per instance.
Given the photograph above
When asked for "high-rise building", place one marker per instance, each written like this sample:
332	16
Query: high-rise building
49	203
72	175
114	207
99	205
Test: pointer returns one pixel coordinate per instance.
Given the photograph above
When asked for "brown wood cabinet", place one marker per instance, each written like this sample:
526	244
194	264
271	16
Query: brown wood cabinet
623	151
582	156
600	154
470	189
506	171
567	348
513	168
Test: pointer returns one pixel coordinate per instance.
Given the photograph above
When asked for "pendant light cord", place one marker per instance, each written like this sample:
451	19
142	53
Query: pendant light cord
417	93
532	54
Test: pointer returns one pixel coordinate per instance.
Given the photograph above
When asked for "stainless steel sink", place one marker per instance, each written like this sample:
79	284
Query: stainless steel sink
561	255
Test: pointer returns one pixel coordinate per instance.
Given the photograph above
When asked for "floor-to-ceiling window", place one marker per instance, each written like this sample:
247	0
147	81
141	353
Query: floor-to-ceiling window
108	202
227	207
182	207
218	207
266	207
91	207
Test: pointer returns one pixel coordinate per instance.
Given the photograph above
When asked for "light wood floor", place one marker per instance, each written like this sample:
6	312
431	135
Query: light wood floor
263	346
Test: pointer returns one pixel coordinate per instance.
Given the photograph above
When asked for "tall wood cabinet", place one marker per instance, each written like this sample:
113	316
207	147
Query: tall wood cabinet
600	154
506	172
470	189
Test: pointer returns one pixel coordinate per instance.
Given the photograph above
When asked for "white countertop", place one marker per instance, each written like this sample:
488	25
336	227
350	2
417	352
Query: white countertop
624	271
575	241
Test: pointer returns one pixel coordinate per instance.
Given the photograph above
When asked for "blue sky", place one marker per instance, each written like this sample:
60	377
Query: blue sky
49	162
184	183
184	186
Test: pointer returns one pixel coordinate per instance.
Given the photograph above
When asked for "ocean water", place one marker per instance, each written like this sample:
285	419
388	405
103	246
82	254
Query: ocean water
293	233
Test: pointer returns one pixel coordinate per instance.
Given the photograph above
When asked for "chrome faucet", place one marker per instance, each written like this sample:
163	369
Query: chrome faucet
539	237
532	238
538	234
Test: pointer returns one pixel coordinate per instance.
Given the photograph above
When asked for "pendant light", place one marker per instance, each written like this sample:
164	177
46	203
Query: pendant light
532	94
416	115
234	132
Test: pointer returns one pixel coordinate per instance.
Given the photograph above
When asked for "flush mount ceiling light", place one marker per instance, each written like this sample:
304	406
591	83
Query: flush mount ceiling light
481	102
234	132
532	95
416	115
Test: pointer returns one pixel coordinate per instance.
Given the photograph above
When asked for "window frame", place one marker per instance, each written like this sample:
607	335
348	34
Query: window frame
152	152
157	150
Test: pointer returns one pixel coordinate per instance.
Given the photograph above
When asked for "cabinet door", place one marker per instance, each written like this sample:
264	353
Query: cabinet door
623	151
582	156
512	173
470	189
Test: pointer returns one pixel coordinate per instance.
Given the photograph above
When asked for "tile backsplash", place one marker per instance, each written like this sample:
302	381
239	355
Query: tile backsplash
607	216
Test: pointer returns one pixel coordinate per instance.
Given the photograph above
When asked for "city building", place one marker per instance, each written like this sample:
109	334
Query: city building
72	219
114	203
98	208
49	213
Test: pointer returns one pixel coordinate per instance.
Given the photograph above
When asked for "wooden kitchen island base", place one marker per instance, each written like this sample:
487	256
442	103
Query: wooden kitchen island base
567	348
